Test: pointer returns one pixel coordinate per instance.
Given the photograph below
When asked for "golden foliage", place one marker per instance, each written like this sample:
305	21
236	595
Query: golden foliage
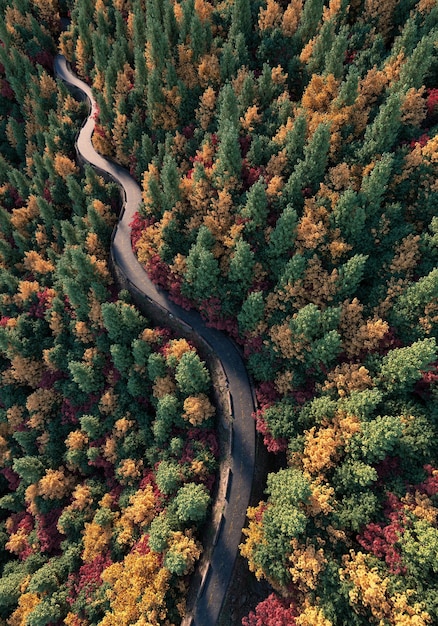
55	484
284	382
413	107
76	440
197	409
21	217
137	590
14	415
426	6
340	176
108	401
312	227
317	286
291	17
96	539
358	334
307	50
81	497
421	505
277	163
119	132
186	68
184	544
307	563
407	255
40	404
209	69
371	591
26	289
311	616
25	370
17	542
177	347
129	471
162	386
34	262
254	537
204	9
348	377
27	602
321	498
270	17
251	118
371	86
139	513
64	166
83	332
382	13
102	142
332	10
279	77
122	426
275	185
323	444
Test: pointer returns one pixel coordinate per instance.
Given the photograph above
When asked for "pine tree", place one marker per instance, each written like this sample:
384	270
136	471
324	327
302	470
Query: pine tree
241	21
382	133
241	271
228	164
256	208
252	312
309	171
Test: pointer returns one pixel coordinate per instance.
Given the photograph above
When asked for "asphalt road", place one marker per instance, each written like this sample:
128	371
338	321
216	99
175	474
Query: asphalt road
212	592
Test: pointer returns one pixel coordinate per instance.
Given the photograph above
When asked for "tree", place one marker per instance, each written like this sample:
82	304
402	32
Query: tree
283	520
202	273
191	503
381	134
402	367
349	216
168	410
241	21
191	375
274	611
228	163
309	171
252	312
256	208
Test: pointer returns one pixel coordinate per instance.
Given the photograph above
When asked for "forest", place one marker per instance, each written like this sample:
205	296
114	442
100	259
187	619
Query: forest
287	153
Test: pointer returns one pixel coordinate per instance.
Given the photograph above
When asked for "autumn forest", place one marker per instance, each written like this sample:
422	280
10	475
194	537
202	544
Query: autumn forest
287	153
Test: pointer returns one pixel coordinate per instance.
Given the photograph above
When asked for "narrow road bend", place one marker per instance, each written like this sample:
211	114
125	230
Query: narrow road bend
213	588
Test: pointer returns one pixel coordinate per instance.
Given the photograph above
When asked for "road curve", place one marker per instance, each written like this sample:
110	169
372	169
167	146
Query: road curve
213	587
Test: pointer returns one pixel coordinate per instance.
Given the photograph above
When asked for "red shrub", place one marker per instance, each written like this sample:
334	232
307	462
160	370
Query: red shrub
273	611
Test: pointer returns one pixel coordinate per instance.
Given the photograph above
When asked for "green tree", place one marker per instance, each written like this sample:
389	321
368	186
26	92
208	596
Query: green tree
252	312
168	411
241	21
256	208
382	133
241	269
191	503
281	239
228	163
309	171
402	367
283	520
191	374
202	273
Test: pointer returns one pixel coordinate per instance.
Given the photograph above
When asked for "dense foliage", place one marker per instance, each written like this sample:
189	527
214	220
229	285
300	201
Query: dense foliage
107	445
287	153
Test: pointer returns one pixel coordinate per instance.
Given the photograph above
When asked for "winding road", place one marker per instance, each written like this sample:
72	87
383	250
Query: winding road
213	585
